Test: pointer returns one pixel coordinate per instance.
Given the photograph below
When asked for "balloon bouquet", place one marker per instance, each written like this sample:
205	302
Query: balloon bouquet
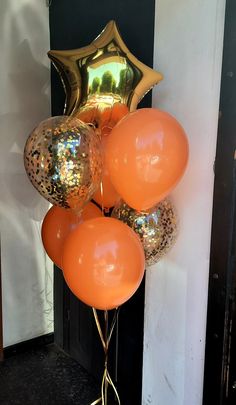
104	150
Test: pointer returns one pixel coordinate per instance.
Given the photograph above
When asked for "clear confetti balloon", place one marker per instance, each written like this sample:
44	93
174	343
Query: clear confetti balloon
156	227
63	161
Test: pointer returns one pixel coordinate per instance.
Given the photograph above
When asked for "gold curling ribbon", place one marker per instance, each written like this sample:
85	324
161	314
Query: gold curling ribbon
105	339
101	190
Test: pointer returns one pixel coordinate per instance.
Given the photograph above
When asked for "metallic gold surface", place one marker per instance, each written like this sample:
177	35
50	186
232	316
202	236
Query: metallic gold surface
156	227
105	339
63	161
102	74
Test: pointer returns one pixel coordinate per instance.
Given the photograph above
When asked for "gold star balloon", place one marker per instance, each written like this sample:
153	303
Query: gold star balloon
102	75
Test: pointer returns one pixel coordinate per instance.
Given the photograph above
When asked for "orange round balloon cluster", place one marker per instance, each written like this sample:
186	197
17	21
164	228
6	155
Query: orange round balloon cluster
146	155
102	259
103	262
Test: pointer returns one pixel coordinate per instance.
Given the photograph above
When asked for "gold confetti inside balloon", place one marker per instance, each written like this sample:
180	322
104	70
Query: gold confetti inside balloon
156	227
63	161
101	75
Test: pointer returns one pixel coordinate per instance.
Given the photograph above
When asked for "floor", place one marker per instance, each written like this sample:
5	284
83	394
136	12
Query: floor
45	376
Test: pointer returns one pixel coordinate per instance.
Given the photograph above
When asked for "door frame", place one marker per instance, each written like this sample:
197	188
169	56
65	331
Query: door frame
219	369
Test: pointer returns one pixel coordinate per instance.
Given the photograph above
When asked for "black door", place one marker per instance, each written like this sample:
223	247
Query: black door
220	363
75	24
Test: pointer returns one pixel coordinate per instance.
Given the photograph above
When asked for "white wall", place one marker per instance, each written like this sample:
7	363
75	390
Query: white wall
24	89
188	51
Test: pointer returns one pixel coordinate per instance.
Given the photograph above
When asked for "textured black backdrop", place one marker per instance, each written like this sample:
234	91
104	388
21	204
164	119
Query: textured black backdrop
73	24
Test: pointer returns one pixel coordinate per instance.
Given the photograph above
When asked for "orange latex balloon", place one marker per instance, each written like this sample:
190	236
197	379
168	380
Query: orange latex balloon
111	115
106	195
103	118
58	223
103	262
146	154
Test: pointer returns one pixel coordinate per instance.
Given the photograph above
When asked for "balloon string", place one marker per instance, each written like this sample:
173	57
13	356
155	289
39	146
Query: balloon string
102	197
105	339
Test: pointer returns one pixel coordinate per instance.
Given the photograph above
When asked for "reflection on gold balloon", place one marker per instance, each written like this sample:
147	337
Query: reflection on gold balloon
102	74
156	227
63	161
